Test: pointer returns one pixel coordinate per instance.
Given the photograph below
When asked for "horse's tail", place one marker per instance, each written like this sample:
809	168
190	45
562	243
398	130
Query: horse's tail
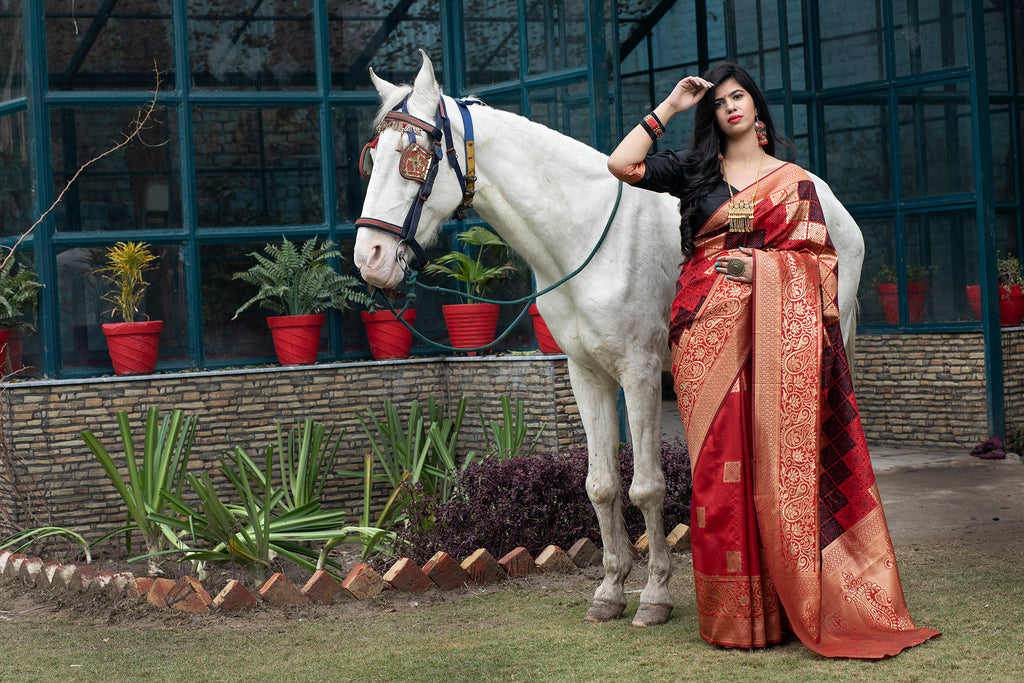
850	342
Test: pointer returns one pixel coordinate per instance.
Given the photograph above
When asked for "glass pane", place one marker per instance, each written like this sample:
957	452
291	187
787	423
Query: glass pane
257	166
384	35
995	45
246	45
928	35
757	31
1006	234
101	45
134	188
82	310
936	150
797	53
857	153
1017	17
878	272
674	38
12	55
851	42
16	210
352	128
942	253
565	109
1003	156
556	33
492	30
801	134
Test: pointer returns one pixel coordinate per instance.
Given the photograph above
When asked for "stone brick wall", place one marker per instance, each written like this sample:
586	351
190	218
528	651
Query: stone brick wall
49	464
929	389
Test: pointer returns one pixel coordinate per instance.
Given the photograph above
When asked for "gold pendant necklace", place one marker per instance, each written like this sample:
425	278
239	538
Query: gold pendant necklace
741	213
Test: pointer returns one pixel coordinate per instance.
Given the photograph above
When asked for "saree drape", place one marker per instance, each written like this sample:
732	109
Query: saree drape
787	529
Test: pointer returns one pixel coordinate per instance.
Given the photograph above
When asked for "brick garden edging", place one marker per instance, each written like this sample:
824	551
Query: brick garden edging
188	594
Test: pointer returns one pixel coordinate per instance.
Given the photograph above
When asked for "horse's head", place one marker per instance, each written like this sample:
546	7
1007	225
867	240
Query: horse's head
413	187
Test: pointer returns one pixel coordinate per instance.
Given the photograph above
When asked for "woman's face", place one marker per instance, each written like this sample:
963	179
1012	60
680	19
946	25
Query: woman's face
734	109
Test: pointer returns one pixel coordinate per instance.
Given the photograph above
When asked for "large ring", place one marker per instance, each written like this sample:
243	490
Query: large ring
735	267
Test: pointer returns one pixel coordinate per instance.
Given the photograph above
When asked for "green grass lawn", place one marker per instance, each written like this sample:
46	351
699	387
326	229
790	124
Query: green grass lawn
526	634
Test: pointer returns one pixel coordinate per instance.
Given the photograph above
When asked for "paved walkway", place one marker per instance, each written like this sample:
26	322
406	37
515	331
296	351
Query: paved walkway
883	458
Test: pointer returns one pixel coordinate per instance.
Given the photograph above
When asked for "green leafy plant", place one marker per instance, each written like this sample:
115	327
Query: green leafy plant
24	539
304	460
19	295
167	447
1008	271
126	263
510	432
915	273
253	532
480	271
299	281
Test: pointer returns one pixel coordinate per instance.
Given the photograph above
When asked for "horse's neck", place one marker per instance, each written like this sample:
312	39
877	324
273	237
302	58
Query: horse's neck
544	192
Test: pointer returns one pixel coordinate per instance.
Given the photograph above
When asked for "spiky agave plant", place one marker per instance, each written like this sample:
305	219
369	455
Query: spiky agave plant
126	263
299	281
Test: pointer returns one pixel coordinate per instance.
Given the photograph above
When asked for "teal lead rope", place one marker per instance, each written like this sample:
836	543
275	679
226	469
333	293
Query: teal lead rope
412	284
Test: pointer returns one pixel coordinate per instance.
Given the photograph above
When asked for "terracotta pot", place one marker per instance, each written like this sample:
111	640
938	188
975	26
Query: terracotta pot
133	346
386	335
916	294
7	338
296	337
1011	304
545	341
471	325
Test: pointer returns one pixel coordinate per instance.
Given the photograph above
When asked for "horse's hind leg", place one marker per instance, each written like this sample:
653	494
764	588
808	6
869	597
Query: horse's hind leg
595	396
643	403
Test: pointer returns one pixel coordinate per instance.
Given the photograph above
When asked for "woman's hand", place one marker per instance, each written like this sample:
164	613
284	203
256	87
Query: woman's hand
687	93
746	258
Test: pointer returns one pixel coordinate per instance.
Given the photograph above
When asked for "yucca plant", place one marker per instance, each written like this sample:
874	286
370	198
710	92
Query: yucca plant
19	294
510	432
489	263
126	263
299	281
167	448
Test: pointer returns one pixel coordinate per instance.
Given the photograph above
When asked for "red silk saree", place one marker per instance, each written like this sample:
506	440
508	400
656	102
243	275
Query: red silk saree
787	528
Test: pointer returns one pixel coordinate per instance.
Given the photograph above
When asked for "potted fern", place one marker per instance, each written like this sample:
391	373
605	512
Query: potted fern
133	344
298	284
487	261
19	299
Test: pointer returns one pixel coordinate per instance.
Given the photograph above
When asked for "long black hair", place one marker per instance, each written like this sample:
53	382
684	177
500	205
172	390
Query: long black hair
702	169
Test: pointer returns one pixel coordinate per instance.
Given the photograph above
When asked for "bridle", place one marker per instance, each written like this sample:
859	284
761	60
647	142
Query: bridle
420	164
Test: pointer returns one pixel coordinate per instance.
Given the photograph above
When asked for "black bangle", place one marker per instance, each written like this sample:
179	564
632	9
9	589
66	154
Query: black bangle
653	125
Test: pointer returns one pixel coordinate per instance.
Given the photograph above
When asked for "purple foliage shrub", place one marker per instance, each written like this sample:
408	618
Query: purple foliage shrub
533	502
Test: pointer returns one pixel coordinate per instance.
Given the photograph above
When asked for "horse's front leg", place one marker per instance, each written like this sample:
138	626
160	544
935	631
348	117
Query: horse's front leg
595	397
642	392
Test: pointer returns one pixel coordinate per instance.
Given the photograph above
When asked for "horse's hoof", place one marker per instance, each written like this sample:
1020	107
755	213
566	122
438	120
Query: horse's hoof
602	610
651	614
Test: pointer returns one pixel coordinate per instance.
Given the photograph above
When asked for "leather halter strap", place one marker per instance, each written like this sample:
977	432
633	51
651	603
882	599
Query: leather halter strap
437	133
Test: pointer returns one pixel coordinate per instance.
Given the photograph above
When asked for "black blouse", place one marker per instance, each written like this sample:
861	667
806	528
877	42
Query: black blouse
664	172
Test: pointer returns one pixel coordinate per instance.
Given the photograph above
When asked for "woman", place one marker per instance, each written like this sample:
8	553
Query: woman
787	528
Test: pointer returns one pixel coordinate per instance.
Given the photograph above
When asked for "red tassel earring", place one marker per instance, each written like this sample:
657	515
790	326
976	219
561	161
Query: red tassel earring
761	131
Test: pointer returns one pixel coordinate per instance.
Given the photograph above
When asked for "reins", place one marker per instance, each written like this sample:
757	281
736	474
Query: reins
412	283
421	166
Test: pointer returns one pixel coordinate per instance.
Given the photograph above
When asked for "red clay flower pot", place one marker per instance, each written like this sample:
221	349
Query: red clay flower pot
916	293
545	341
133	346
1011	304
296	337
386	335
470	325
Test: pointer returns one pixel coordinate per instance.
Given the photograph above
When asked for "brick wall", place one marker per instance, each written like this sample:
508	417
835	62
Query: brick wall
52	467
929	389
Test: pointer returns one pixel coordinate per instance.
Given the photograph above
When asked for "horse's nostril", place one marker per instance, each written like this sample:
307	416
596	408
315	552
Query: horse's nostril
374	256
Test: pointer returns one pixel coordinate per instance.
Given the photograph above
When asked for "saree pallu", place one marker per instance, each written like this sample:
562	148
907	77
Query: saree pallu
787	528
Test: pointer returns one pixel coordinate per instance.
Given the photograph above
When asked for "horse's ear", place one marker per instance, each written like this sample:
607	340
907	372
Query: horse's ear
384	88
426	91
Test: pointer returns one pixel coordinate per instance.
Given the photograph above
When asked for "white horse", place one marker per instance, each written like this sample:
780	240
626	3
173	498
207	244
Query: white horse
550	197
